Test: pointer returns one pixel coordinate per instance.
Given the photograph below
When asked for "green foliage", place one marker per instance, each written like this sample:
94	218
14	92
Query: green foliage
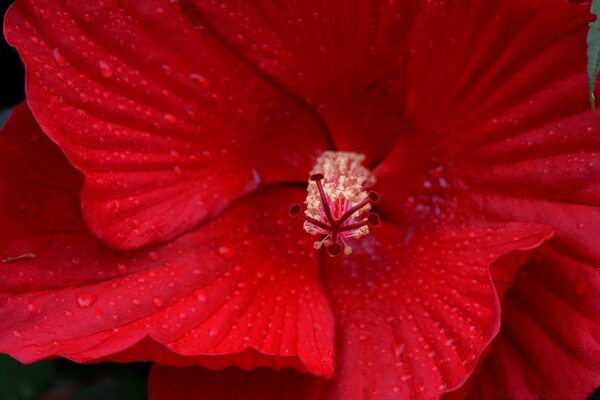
62	379
23	382
593	51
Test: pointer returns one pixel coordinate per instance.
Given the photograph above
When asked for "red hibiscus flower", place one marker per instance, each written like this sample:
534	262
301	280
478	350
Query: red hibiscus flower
146	218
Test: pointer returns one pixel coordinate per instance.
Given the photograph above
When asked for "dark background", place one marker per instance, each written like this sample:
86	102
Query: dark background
11	77
57	379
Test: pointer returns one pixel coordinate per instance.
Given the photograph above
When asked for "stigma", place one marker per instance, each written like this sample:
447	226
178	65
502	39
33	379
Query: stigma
338	203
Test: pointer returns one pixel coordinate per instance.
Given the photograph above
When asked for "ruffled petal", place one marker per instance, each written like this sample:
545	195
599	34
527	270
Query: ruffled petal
224	294
158	113
194	383
515	141
415	312
549	344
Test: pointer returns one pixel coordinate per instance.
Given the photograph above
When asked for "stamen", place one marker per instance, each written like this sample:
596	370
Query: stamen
324	202
295	211
337	203
373	198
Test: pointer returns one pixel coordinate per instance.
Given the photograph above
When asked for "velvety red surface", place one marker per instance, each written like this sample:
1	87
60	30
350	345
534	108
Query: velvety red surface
173	136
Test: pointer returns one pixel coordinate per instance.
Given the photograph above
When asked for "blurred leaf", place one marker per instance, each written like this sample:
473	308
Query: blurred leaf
23	382
593	51
64	380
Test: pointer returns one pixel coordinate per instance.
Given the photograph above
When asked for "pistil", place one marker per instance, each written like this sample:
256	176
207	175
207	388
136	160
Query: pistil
338	203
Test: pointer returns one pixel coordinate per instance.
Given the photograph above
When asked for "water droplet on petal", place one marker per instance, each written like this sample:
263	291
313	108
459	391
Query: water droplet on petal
86	299
59	59
136	302
175	5
200	81
122	268
226	250
200	295
170	119
157	302
153	256
167	69
399	350
105	69
212	332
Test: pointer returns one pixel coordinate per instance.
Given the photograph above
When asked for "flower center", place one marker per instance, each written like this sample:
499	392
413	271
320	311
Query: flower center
338	204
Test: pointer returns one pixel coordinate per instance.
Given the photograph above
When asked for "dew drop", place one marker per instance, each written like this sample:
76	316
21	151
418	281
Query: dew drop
200	81
200	295
105	69
177	170
399	350
85	300
226	250
212	332
175	5
153	256
57	57
157	302
170	119
167	69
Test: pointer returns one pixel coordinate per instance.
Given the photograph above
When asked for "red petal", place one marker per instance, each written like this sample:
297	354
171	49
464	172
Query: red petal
217	296
518	134
346	59
415	311
508	111
158	122
193	383
499	61
549	345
